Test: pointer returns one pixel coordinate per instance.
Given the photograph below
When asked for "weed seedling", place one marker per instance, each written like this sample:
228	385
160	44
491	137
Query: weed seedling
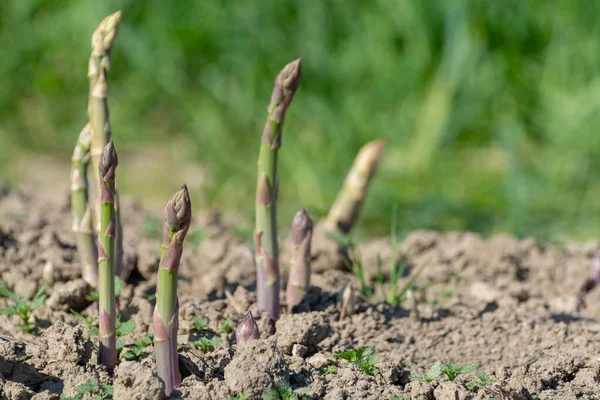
198	325
362	358
22	307
330	369
227	326
207	345
482	380
284	391
452	371
94	296
87	321
435	371
135	350
92	388
123	328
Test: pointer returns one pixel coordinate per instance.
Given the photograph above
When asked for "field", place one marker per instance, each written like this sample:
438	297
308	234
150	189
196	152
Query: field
515	310
437	164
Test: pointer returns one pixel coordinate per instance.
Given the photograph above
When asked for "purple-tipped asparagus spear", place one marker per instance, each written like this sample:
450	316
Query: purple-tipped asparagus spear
176	222
247	330
107	352
265	233
299	279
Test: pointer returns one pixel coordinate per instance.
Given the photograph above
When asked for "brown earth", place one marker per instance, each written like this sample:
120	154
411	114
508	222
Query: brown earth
513	308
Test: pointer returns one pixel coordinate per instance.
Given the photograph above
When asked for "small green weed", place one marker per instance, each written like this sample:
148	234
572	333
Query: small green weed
22	307
87	321
450	370
135	350
198	325
95	296
362	358
283	391
207	345
330	369
98	391
482	380
123	328
227	326
435	371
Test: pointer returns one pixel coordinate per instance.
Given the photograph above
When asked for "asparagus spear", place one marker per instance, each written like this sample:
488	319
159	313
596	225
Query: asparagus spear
82	215
176	222
345	210
299	279
102	42
107	353
246	331
265	233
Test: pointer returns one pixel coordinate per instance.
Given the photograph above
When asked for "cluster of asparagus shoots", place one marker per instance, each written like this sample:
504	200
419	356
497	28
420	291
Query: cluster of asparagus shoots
102	261
89	148
99	243
341	218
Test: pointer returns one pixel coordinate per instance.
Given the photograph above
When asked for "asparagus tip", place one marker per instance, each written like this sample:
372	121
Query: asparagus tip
247	330
178	211
289	77
107	30
109	158
369	155
301	225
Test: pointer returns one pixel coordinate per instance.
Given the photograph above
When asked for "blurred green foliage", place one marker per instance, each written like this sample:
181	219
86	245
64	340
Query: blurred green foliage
491	109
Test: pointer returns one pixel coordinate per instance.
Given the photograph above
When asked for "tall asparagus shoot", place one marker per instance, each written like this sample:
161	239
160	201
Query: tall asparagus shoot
246	331
265	233
102	42
107	353
80	207
176	223
344	212
299	279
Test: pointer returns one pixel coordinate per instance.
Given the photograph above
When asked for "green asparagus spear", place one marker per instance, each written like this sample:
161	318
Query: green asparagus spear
344	212
80	207
265	233
299	279
107	353
176	223
102	42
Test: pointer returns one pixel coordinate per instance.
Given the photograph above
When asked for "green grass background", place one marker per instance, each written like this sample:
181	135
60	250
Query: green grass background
491	109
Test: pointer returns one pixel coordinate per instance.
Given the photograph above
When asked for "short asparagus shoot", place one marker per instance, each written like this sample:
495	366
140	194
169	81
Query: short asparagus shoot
345	210
300	237
107	352
176	223
265	233
246	331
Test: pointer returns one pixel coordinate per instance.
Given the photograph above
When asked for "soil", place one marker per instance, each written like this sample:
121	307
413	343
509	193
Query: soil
521	312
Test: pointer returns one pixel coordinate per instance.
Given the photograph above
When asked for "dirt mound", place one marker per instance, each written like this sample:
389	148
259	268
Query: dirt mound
516	310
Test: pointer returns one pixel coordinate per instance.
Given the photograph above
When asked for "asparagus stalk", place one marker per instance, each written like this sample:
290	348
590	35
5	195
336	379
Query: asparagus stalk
82	215
265	233
176	222
246	331
107	353
102	42
301	237
344	212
